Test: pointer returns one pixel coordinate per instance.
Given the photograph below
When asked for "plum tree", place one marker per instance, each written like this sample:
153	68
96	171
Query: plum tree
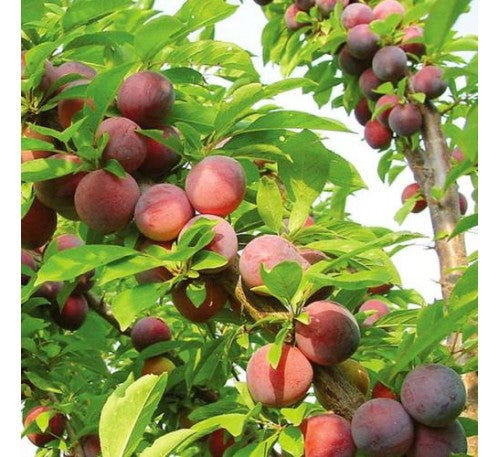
382	428
199	301
281	386
362	111
55	429
146	98
160	159
218	441
148	331
356	14
411	191
389	101
124	144
389	63
70	68
356	373
162	211
38	225
350	64
377	136
327	435
59	193
28	261
368	82
327	6
380	308
411	42
267	251
405	120
72	314
158	274
106	202
216	185
433	394
438	442
224	243
381	391
362	42
157	366
331	336
429	80
67	108
387	7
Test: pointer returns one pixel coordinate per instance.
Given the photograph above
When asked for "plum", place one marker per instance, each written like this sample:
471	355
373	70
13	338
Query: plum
148	331
216	185
304	5
429	80
381	391
389	64
32	154
362	42
368	82
387	7
331	336
356	14
162	211
283	386
433	394
382	428
356	373
351	65
462	203
438	442
290	18
409	192
67	108
27	260
405	120
380	308
124	144
327	6
38	225
157	366
362	111
71	68
412	40
72	314
157	274
106	202
458	155
218	441
389	101
380	290
160	159
377	136
91	445
146	98
55	429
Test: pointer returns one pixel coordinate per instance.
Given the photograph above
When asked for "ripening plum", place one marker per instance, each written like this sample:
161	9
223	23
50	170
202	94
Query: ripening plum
55	429
211	295
160	159
438	442
458	155
304	5
389	64
73	313
124	144
362	111
162	211
381	391
146	98
409	192
380	308
429	80
72	68
368	82
312	256
362	42
387	7
462	203
38	225
377	136
290	18
327	435
69	107
327	6
283	386
331	336
216	185
405	120
218	441
382	428
59	193
157	274
91	445
106	202
148	331
356	373
157	366
49	290
224	243
433	394
268	251
32	154
356	14
380	290
351	65
412	40
27	260
389	101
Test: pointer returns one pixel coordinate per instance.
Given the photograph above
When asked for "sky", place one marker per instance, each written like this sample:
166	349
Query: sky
376	206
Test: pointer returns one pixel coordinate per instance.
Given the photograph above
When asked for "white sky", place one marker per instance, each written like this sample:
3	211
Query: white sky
376	206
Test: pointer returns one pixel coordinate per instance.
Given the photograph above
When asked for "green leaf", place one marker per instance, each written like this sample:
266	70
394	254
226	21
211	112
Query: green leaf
31	10
283	280
269	203
274	354
295	415
167	444
87	11
127	412
438	24
469	137
291	440
43	169
155	34
207	260
470	426
34	144
356	280
464	224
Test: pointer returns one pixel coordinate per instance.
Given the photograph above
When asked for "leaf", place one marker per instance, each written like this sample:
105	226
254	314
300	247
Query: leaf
155	34
295	415
468	140
438	24
269	203
127	412
167	444
274	354
87	11
44	169
283	280
291	440
470	426
233	423
356	280
464	224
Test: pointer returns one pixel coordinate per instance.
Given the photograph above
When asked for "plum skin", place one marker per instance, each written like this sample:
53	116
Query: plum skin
380	307
386	8
148	331
390	101
381	391
362	42
355	14
429	80
69	107
28	260
411	33
433	394
162	211
160	159
106	202
29	154
438	442
382	428
216	185
377	136
57	424
218	441
405	120
283	386
157	274
38	225
368	82
290	18
362	112
73	313
389	63
157	366
327	435
411	190
350	64
331	336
